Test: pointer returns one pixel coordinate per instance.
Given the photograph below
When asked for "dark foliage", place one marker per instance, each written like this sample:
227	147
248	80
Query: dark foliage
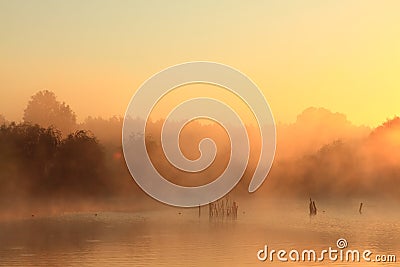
35	163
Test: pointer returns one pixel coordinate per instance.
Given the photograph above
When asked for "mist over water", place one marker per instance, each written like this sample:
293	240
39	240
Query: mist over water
166	236
67	198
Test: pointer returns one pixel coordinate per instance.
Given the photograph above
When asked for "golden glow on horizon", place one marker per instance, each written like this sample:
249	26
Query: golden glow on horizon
344	56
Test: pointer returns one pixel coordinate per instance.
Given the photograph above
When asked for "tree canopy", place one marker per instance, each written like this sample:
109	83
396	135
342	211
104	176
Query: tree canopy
45	110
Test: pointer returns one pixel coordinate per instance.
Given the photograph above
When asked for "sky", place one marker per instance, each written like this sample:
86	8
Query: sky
340	55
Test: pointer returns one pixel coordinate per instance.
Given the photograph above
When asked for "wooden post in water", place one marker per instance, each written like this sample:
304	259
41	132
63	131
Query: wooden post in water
313	208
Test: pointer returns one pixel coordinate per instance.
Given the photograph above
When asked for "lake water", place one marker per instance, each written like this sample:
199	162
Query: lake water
178	237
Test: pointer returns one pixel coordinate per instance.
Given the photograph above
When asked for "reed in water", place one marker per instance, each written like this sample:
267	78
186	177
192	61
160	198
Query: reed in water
312	207
224	207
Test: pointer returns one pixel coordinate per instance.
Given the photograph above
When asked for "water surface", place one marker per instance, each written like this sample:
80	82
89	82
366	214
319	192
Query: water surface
178	237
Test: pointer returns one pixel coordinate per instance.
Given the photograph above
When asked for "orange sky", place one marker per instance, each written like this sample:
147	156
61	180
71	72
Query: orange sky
341	55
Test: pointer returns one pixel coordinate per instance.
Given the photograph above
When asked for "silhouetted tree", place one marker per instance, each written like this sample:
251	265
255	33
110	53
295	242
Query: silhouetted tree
44	109
26	155
79	167
2	119
36	164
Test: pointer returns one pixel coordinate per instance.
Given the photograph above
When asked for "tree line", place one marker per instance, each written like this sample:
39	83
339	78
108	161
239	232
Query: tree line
37	163
49	158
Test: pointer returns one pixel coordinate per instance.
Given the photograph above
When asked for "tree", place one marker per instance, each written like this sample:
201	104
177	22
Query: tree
106	130
45	110
27	153
79	167
2	120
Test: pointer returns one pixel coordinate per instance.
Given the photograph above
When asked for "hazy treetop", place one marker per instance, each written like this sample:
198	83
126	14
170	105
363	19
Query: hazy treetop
2	119
45	110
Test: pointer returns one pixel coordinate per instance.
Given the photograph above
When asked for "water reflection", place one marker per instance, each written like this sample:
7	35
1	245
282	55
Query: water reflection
173	237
